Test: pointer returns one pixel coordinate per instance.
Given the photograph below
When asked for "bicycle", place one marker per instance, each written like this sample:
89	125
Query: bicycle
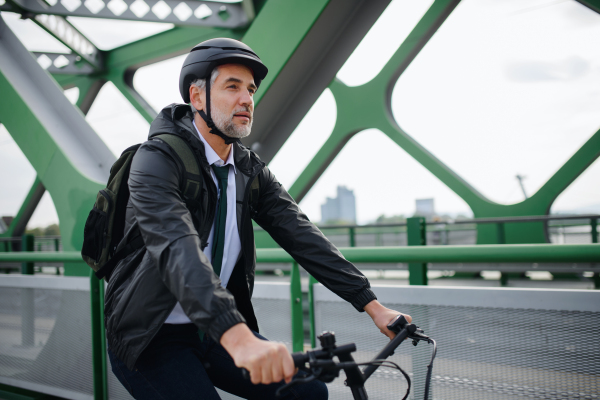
319	364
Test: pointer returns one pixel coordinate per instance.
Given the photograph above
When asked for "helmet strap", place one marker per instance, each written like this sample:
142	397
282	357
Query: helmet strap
208	119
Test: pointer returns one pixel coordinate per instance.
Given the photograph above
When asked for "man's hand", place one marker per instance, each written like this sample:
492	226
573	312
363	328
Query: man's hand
266	361
382	316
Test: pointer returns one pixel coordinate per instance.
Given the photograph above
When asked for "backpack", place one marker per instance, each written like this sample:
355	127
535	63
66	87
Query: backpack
105	225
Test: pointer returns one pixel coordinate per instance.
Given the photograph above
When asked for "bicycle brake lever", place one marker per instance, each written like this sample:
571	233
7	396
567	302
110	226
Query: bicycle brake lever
419	335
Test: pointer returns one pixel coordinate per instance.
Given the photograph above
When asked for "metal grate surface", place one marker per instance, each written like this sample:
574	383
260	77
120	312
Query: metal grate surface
483	352
271	301
45	340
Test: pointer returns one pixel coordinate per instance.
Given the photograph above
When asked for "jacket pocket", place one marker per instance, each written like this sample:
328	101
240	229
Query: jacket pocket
97	230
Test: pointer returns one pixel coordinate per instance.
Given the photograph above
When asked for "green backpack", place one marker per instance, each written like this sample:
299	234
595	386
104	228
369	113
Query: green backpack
105	225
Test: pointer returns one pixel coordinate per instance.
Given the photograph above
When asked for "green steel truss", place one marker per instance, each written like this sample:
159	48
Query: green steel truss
303	40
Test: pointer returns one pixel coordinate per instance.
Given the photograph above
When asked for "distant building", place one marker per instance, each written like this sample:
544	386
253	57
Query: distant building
340	209
425	208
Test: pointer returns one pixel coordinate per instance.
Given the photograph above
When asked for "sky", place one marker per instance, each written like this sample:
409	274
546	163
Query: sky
503	88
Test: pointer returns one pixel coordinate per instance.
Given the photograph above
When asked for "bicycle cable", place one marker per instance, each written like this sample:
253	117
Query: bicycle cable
430	368
381	363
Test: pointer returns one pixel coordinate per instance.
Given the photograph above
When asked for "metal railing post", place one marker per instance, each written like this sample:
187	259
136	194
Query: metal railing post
296	303
311	310
417	272
27	298
352	234
594	226
99	374
501	239
27	245
417	236
57	248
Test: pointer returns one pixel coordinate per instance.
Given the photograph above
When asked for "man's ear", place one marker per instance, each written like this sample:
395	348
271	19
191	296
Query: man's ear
197	97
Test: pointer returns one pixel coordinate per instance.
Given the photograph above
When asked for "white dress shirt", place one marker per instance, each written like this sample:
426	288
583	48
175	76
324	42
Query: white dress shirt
233	244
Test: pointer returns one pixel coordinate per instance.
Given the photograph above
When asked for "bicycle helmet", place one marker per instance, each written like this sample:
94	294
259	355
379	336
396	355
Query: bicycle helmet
201	61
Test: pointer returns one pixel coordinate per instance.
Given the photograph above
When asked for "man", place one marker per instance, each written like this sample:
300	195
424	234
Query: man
196	271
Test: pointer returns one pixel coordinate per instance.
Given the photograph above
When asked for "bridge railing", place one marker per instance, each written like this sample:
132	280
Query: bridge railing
419	254
560	229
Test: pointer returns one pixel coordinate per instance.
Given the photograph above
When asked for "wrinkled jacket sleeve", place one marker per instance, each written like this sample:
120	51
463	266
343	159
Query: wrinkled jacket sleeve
279	215
173	242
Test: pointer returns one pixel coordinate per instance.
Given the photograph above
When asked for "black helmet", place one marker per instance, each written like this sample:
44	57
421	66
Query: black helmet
205	56
209	54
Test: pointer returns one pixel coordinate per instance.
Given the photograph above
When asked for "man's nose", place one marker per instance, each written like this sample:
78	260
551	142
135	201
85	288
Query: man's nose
246	99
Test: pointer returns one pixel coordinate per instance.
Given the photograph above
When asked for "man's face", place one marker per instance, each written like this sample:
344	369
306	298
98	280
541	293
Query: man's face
232	103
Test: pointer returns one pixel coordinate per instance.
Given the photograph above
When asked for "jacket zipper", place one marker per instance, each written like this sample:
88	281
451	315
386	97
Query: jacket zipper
244	210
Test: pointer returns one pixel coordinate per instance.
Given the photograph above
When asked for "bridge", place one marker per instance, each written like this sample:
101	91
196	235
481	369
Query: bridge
496	341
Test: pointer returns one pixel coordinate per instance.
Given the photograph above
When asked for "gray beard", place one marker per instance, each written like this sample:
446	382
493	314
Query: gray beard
225	124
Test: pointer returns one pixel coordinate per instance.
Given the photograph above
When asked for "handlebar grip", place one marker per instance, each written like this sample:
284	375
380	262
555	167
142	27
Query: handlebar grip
299	359
397	324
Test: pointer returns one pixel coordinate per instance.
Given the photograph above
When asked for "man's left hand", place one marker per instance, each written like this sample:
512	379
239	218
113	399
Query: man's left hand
382	316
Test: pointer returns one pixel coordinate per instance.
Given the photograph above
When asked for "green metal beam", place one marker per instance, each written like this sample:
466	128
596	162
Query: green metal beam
574	167
510	253
277	31
125	60
19	223
369	106
88	91
591	4
122	62
123	80
310	68
162	46
366	106
73	192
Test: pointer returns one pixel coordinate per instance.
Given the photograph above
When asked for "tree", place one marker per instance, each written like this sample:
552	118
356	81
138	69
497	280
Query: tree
52	230
394	219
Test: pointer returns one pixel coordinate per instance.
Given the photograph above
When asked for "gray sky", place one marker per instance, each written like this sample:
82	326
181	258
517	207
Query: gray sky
503	88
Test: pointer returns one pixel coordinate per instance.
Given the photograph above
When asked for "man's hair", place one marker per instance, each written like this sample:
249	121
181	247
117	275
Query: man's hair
201	83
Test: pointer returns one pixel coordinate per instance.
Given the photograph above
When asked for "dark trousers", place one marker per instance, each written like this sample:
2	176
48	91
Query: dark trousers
178	365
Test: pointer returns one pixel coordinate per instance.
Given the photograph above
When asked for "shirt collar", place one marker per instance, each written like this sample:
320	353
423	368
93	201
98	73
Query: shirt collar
211	156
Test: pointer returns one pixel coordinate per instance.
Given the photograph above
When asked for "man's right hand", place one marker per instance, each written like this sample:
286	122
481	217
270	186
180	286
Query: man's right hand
267	362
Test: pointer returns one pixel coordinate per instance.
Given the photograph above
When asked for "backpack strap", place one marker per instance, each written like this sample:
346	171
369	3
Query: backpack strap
192	180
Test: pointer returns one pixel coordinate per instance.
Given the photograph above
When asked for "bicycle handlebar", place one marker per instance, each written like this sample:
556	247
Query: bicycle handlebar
322	366
300	359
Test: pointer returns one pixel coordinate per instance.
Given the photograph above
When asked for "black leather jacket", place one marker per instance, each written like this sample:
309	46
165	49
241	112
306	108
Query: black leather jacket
146	285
